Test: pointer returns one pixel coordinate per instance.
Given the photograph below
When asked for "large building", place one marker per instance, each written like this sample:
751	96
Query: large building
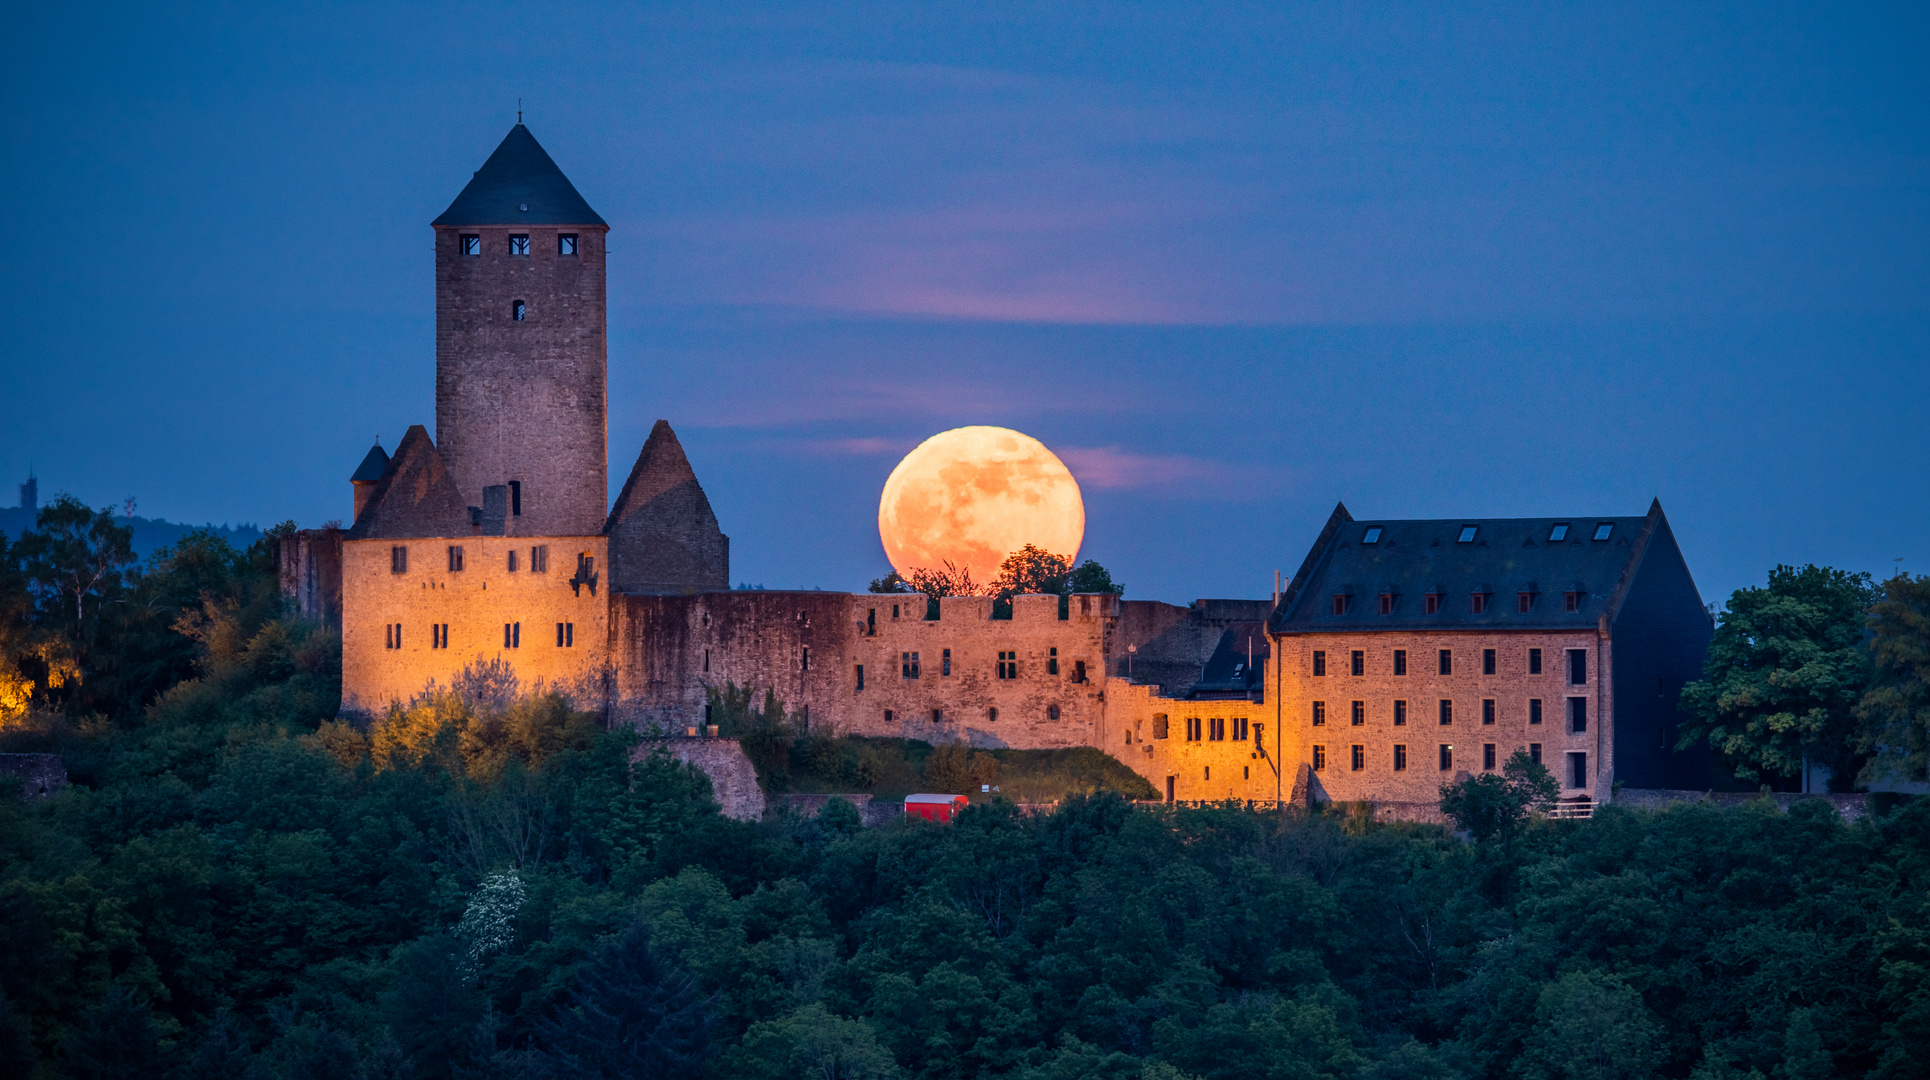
1402	654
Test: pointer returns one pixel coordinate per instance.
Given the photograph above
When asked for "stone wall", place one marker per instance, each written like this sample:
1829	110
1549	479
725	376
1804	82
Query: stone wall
40	775
475	603
1206	769
733	779
309	565
1423	688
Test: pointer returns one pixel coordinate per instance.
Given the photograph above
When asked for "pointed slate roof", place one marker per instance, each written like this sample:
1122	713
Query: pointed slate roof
416	496
661	470
1504	556
519	185
372	467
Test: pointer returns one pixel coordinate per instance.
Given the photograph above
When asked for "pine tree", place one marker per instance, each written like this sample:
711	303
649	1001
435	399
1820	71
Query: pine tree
630	1016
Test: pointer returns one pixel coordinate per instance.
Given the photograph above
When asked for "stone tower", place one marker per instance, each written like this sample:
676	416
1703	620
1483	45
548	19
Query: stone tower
521	351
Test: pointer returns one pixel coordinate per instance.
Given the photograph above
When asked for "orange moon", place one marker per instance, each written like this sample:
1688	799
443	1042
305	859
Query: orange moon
974	495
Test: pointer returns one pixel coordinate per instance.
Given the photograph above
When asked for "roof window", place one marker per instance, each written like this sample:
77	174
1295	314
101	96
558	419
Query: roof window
1602	529
1373	535
1559	533
1467	534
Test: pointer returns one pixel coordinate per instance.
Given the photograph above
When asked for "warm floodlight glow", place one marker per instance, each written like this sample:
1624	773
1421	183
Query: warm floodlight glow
974	495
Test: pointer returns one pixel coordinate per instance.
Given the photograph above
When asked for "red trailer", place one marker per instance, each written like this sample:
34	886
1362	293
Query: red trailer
935	807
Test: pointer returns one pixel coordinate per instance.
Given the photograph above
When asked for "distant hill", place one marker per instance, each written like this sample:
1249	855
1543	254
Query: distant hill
150	534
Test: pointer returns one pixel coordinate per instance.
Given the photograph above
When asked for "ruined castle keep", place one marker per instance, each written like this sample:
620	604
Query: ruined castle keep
1402	655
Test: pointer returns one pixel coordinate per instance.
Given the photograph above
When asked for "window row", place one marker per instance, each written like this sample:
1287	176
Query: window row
1576	708
512	635
1480	602
1557	533
1577	760
539	554
911	666
1052	712
471	244
1577	661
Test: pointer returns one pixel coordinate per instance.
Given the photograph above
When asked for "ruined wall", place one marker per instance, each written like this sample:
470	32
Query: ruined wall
309	565
1203	769
1422	688
475	603
733	779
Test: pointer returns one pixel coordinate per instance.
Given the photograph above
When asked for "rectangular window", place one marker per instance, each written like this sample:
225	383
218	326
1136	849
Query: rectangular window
1372	536
1447	757
1008	664
455	558
1577	715
1359	713
1400	661
804	658
1160	727
1604	529
1400	714
515	498
1524	602
1534	710
1487	757
512	635
1319	757
1340	605
565	635
1433	603
944	661
1467	534
871	622
471	244
1487	712
1319	714
1216	729
894	611
1571	601
1358	662
519	244
1447	661
1357	758
1207	773
887	716
1387	603
1487	661
1558	533
566	243
1577	770
938	716
1534	752
908	665
512	560
1239	729
388	635
1400	757
859	669
1319	662
435	636
1079	671
1578	667
1447	712
539	559
1192	729
398	559
1478	603
706	660
1052	661
1534	661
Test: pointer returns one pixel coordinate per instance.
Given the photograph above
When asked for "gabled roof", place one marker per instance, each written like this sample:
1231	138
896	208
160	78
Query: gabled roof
519	185
415	497
1506	557
661	481
372	467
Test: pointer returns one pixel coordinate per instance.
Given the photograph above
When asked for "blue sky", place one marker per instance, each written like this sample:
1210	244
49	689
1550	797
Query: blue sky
1233	263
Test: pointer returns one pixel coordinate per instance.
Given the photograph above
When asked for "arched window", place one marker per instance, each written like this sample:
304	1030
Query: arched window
516	310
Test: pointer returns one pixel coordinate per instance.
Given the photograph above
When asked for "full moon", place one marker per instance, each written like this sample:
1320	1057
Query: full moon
974	495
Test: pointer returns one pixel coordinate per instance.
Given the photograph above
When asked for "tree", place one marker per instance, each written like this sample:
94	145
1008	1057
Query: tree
957	769
1032	569
1590	1026
949	580
891	583
1090	577
629	1016
118	1039
1490	807
1895	712
1784	675
813	1043
76	559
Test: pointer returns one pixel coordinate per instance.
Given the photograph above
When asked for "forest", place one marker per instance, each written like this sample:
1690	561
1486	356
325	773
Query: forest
489	883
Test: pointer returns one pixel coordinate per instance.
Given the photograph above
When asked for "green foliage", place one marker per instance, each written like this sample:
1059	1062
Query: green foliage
1590	1026
1090	577
1490	807
1784	675
1896	711
891	583
628	1016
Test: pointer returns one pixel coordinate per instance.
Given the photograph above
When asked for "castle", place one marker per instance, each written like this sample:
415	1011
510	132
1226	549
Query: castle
1402	654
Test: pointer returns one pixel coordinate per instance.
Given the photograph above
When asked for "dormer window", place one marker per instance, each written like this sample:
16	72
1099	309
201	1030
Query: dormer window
519	244
1478	603
1433	603
1467	534
1372	536
1340	604
1571	601
566	243
1603	529
1559	533
1387	603
470	244
516	311
1524	602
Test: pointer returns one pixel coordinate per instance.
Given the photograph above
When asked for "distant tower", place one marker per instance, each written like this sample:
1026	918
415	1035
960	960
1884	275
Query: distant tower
30	494
521	350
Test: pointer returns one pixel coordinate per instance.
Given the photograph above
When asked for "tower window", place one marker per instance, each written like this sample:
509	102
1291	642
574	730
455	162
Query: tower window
471	244
398	559
519	244
516	310
512	560
1052	664
565	635
512	635
858	667
539	559
515	498
1216	729
944	661
566	243
455	558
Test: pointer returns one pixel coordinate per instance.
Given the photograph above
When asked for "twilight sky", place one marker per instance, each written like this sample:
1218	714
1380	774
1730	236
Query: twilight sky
1232	264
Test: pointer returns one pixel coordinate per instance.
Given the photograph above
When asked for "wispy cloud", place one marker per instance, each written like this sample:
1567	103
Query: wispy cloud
1110	468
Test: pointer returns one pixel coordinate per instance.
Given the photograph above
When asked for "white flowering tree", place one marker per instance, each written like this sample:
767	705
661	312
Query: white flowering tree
488	924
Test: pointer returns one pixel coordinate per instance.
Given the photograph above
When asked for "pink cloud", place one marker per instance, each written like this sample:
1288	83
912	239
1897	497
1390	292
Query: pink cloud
1109	468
